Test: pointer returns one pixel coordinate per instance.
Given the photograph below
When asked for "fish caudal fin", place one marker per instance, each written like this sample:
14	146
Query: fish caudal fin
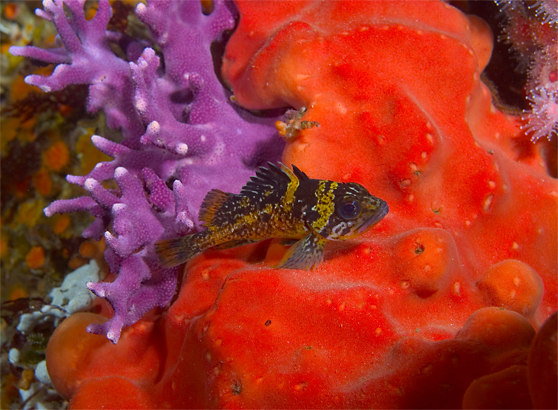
173	252
305	254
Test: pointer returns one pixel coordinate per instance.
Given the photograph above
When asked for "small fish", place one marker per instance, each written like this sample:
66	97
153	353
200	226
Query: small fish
279	203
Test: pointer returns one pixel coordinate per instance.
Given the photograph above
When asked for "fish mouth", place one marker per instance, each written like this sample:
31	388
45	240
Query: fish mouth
374	219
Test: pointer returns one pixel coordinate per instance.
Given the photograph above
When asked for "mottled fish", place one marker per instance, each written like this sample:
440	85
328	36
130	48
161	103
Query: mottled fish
279	203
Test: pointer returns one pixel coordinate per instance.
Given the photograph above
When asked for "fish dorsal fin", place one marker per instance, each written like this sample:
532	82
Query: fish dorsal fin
211	204
273	179
299	174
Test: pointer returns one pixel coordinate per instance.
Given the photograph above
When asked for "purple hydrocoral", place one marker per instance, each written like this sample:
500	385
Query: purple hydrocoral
179	126
86	50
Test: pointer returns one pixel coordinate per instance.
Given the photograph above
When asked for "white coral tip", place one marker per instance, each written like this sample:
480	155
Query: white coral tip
90	184
181	148
120	172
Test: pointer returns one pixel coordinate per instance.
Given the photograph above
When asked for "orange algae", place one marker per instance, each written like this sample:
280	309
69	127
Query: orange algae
9	391
57	156
65	110
35	257
42	182
17	291
91	11
20	89
77	262
10	11
27	377
29	212
21	188
13	127
61	224
89	155
91	249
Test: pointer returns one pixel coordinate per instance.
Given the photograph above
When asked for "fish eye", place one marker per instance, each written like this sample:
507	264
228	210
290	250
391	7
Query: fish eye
349	209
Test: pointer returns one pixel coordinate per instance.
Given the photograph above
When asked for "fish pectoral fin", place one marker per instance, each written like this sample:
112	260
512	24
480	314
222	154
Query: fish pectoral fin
234	244
305	254
288	242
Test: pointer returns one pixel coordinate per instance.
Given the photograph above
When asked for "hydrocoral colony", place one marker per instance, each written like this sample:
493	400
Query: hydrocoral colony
178	124
435	308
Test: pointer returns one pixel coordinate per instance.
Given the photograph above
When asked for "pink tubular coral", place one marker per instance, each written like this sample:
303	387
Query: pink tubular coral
542	120
536	42
548	10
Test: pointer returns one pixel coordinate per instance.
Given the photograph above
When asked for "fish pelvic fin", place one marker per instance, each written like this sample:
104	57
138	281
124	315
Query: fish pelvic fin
174	252
306	254
211	205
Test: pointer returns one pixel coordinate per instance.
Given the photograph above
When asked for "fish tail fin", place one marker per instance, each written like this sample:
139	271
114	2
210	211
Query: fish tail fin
174	252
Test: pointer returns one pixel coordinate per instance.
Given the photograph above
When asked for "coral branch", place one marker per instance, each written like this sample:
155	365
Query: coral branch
178	125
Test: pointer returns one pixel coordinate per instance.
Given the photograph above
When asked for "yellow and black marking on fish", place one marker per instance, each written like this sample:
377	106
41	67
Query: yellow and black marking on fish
279	203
